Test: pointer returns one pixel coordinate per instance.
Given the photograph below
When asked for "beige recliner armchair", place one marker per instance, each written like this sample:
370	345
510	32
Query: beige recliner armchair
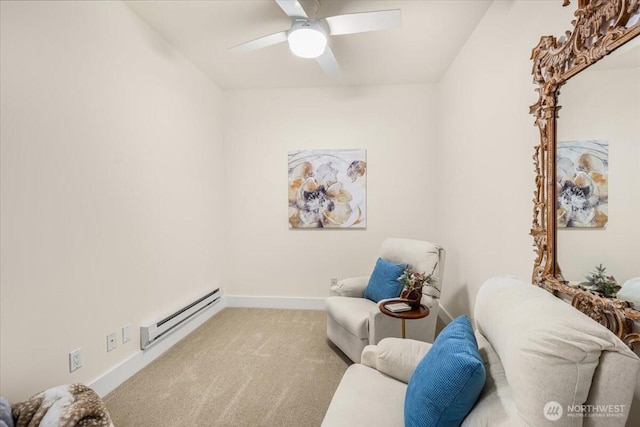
353	322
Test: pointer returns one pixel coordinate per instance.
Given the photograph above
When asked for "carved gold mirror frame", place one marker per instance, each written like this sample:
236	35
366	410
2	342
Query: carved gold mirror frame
600	27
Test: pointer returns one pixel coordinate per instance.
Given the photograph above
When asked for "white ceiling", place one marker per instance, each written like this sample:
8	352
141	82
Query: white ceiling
420	51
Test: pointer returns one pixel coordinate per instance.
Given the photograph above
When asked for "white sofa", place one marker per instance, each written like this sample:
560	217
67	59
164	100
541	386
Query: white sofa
354	322
536	350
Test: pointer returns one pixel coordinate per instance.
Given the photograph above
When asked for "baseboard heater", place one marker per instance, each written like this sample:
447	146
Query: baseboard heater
151	332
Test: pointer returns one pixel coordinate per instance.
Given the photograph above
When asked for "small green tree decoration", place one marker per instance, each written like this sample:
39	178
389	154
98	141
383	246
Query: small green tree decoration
598	281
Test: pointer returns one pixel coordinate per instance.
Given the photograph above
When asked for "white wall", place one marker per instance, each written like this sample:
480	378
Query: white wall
397	127
111	186
486	143
486	140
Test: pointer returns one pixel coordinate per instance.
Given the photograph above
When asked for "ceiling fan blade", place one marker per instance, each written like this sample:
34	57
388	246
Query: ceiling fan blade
261	42
328	63
292	8
361	22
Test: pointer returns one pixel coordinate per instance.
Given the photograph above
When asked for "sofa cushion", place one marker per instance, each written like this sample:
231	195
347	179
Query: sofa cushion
447	381
383	282
549	350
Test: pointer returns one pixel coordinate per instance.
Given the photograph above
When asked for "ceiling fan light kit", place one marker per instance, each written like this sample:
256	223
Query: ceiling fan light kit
307	39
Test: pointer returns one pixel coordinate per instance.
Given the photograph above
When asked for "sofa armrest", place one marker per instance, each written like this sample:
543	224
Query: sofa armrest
395	357
351	287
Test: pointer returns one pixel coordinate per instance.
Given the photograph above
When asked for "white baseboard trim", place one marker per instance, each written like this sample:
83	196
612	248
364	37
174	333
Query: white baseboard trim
126	369
444	315
295	303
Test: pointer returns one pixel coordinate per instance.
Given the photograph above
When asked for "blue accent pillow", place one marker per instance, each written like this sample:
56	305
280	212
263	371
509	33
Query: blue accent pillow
383	282
447	381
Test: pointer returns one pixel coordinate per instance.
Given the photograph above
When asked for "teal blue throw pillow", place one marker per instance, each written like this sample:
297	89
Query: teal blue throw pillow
447	381
383	282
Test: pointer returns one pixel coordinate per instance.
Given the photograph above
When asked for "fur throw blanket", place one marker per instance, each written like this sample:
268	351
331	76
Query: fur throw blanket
72	405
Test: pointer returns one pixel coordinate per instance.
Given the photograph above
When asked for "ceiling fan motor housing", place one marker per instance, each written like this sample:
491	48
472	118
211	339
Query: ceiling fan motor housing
307	39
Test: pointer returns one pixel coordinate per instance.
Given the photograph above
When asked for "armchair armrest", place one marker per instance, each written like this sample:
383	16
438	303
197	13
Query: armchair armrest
431	292
395	357
351	287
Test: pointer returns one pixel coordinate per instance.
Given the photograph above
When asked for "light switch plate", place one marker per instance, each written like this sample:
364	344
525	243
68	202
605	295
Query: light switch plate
126	333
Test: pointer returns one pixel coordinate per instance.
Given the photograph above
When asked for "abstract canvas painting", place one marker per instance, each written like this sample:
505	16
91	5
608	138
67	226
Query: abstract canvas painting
327	189
582	183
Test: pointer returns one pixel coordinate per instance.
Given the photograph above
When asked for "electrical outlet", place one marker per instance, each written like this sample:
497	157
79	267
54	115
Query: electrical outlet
126	333
334	281
111	341
75	359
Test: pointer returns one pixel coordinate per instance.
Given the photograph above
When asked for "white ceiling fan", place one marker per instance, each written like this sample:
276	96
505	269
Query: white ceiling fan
308	38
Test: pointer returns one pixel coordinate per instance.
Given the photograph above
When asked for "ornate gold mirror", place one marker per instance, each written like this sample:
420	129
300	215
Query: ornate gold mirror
600	28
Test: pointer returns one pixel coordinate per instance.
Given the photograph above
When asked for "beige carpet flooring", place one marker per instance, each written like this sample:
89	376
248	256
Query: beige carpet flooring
243	367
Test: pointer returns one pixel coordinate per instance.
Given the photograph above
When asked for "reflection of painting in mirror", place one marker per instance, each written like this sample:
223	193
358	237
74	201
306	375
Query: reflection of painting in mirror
603	103
327	189
582	175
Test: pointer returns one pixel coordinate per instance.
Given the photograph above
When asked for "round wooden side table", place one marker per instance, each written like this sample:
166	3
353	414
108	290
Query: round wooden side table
416	313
